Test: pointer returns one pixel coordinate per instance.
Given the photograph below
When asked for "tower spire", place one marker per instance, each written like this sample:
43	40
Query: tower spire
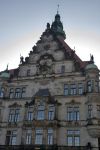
58	9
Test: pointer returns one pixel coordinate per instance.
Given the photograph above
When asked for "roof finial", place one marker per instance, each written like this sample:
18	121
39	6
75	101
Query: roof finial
58	9
7	67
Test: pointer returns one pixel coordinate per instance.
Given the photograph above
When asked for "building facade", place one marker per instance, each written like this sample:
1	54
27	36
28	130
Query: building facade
52	100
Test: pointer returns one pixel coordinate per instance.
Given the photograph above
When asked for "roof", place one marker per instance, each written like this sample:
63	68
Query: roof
70	51
91	66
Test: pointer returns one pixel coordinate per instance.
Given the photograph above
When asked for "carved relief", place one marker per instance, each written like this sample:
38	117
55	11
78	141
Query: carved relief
45	64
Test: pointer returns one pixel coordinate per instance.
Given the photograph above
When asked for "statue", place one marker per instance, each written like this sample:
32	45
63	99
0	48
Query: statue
91	58
21	59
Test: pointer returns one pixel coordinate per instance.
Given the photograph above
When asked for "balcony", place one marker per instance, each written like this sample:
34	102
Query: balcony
93	127
42	147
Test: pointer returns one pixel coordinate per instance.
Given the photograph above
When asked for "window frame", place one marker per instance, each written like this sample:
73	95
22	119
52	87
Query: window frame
41	112
66	89
73	89
73	113
11	93
80	88
28	137
11	137
51	112
39	136
50	136
14	114
23	93
89	86
72	135
18	93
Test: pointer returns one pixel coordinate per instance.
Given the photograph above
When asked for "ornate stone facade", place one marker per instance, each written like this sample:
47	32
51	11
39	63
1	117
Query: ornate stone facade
52	99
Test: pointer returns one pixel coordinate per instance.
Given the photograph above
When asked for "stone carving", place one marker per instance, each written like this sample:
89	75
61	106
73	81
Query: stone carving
45	65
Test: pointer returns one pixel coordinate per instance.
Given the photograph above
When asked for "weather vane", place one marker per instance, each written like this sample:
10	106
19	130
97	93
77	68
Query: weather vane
58	9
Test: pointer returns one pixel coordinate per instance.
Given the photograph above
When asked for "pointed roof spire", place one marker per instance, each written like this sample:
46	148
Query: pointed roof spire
58	9
57	26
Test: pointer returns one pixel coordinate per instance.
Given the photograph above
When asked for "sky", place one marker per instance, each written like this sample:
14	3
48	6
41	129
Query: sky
23	21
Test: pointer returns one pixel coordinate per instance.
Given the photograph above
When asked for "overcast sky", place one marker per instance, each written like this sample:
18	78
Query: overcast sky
23	21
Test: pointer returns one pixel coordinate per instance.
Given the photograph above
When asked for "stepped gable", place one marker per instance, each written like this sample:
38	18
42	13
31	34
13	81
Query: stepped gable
53	33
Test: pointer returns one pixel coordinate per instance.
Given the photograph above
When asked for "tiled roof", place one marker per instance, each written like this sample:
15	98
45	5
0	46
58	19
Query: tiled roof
69	50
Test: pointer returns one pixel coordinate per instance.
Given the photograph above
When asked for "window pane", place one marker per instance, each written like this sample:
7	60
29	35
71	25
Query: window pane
80	88
23	92
39	136
66	91
73	137
29	137
77	141
69	141
40	113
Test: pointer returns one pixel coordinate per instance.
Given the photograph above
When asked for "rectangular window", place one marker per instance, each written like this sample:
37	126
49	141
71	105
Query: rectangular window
11	137
18	93
28	72
30	114
39	136
89	86
41	112
80	88
62	69
66	90
73	113
29	137
14	115
50	136
73	89
2	91
97	86
73	137
98	111
23	92
89	111
11	94
51	112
